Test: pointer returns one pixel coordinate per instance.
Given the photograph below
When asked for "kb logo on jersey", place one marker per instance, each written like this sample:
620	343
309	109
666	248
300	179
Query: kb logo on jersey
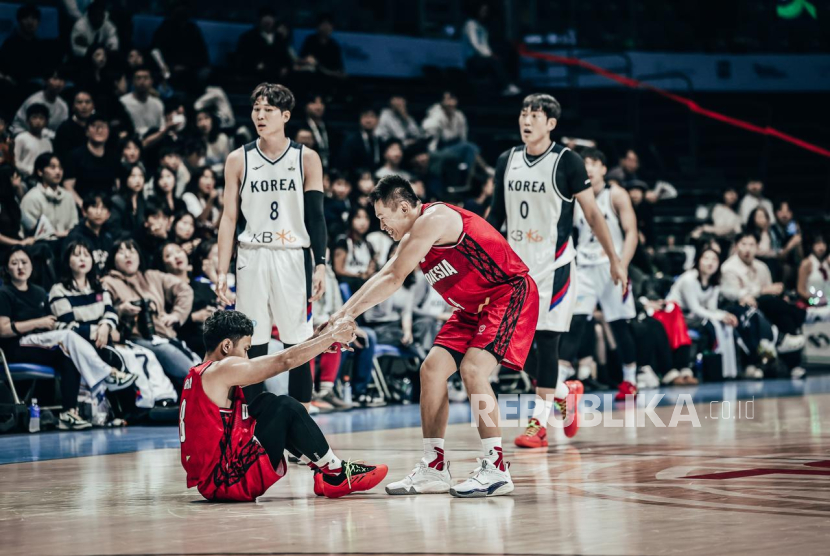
283	236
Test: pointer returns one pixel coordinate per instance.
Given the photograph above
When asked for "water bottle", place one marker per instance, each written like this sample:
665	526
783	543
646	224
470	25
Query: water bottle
34	416
347	392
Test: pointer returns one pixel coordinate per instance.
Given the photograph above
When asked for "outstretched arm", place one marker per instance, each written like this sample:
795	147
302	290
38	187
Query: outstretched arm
415	245
236	371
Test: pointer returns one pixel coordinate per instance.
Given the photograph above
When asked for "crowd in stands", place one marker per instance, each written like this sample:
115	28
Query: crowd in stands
111	180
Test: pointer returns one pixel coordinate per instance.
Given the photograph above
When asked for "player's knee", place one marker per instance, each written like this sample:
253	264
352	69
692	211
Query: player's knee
469	372
269	404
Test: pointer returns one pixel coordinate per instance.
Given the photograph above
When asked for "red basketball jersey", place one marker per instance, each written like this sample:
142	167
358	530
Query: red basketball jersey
219	452
475	271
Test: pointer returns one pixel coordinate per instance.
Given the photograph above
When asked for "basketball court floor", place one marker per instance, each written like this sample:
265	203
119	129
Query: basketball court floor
754	484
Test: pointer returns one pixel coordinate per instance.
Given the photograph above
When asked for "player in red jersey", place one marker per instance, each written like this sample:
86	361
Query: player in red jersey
233	451
474	269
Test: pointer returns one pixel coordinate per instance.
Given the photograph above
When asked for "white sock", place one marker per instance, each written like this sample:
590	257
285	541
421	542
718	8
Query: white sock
542	409
334	463
565	372
584	372
492	451
433	449
561	391
630	373
326	387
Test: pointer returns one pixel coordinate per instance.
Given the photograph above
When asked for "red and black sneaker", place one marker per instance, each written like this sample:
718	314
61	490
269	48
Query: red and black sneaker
534	436
353	477
626	389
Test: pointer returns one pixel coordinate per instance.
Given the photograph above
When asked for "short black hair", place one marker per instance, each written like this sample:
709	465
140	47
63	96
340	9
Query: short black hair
366	108
172	104
544	102
594	154
325	17
37	108
154	207
393	189
780	203
141	67
28	10
266	11
97	117
745	232
277	95
93	198
43	160
226	325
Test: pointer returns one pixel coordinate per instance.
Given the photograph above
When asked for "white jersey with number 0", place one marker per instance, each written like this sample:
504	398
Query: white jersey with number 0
589	250
539	217
271	199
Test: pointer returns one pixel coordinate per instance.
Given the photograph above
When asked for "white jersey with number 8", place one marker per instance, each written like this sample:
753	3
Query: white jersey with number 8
271	199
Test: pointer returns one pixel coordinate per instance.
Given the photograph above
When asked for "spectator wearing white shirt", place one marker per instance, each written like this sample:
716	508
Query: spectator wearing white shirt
479	55
49	96
753	198
49	200
34	142
145	111
94	27
396	123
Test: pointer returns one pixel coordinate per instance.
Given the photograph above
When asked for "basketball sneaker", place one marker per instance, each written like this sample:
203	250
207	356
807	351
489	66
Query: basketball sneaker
568	407
535	435
487	480
353	477
318	482
424	479
626	389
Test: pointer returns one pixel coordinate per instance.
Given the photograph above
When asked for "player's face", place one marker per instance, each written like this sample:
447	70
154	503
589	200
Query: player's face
268	118
535	126
393	220
595	169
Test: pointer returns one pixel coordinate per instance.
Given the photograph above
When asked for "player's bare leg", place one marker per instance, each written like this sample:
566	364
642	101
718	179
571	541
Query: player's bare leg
432	474
492	476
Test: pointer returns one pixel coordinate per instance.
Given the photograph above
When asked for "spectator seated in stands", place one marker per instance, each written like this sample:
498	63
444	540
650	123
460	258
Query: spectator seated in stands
626	171
175	262
697	292
396	123
480	203
354	257
170	158
71	134
322	54
11	218
478	54
769	249
48	209
647	235
128	205
155	232
53	84
164	191
337	206
217	144
814	274
752	199
93	167
32	142
131	150
29	335
362	149
151	304
145	110
786	232
202	200
93	28
23	54
726	222
262	50
393	158
93	229
181	48
315	109
184	232
747	282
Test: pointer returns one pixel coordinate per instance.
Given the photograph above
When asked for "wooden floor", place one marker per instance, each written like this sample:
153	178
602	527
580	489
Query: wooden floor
759	486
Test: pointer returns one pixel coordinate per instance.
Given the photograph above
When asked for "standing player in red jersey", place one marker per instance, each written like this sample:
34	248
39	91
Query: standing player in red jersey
233	451
474	269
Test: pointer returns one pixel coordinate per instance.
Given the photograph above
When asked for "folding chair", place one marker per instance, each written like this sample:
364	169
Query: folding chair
26	371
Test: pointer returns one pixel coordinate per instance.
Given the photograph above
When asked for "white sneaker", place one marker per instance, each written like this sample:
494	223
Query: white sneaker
649	377
753	372
791	343
798	372
815	314
423	480
487	480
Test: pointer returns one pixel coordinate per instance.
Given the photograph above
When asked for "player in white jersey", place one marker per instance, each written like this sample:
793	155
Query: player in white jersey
277	186
595	284
535	188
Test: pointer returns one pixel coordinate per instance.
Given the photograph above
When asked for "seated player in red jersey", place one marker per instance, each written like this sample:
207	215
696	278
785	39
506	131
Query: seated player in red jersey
233	450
